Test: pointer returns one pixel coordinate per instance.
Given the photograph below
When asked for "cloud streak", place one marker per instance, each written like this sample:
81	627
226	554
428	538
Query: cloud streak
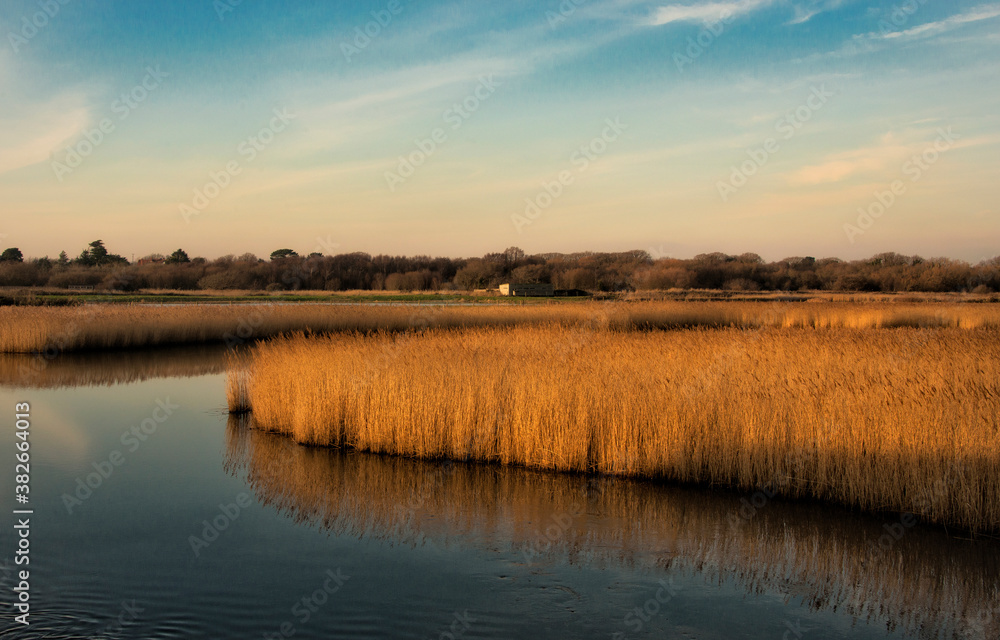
31	138
877	161
804	12
704	11
978	14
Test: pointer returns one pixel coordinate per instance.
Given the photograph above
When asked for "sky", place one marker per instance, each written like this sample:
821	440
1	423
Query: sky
830	128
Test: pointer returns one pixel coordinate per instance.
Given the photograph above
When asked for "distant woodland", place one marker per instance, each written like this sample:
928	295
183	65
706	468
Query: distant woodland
286	270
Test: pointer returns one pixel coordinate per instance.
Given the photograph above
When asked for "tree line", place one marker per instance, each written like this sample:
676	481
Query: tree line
286	270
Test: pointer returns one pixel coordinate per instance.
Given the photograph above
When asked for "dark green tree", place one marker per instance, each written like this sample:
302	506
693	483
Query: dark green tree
12	254
177	257
283	253
97	251
98	256
90	256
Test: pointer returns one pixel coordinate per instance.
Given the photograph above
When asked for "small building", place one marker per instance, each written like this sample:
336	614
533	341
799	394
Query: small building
523	290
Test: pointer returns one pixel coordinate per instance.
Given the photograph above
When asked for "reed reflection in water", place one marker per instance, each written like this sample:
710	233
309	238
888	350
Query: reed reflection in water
877	570
105	368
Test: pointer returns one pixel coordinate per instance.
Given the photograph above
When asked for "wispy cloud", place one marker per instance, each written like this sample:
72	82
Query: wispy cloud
33	129
704	11
35	117
806	11
878	161
874	41
888	152
977	14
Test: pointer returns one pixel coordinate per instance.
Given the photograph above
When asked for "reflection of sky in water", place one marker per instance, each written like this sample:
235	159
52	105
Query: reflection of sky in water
315	510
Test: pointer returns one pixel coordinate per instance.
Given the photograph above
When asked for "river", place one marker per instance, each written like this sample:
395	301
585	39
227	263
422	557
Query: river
156	515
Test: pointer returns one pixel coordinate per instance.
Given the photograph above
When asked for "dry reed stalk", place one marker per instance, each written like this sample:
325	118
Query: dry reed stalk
237	383
91	327
903	420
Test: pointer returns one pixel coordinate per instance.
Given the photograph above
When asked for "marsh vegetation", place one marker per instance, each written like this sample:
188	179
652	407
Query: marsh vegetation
898	420
107	326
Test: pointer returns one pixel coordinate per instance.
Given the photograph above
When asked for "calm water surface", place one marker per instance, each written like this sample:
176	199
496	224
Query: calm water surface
207	529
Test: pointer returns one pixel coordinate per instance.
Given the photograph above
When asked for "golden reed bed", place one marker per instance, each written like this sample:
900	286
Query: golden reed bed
899	420
91	327
926	583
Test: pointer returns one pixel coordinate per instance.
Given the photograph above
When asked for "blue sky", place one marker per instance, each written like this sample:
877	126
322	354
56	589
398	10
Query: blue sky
827	128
